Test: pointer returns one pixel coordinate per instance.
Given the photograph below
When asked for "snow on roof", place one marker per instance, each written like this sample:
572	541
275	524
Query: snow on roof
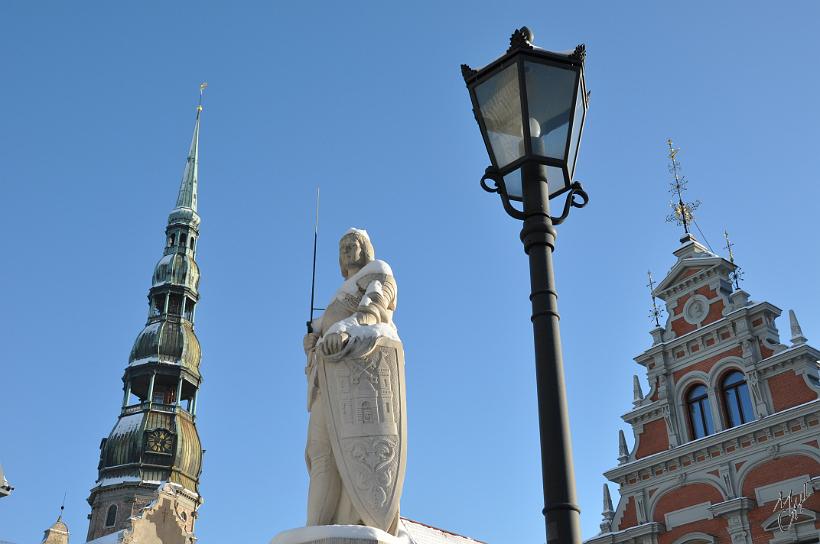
113	538
420	533
127	424
118	480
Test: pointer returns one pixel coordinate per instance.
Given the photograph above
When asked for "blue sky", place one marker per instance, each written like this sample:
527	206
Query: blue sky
366	99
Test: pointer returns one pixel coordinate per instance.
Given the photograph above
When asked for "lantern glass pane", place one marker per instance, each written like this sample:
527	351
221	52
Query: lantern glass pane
512	182
577	124
556	180
550	91
499	102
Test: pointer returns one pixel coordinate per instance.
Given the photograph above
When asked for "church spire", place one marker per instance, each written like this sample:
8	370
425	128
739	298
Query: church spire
190	176
155	438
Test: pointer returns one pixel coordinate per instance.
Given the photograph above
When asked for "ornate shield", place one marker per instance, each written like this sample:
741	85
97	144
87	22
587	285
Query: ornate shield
365	401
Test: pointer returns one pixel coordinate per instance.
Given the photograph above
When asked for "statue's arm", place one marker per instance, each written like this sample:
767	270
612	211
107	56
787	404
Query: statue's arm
378	301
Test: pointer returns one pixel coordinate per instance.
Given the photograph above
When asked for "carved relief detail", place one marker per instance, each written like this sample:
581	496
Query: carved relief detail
375	469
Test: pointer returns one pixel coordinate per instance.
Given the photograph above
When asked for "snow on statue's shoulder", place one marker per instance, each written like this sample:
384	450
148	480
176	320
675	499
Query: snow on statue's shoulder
375	267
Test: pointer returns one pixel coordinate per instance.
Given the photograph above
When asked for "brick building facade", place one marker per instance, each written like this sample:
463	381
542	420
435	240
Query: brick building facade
730	426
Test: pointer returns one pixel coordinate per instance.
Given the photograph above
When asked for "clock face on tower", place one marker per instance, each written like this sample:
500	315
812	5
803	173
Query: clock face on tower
160	441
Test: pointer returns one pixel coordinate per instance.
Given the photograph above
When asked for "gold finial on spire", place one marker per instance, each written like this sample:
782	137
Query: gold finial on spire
202	87
655	313
682	212
737	274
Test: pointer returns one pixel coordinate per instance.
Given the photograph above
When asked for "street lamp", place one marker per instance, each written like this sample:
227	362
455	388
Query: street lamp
531	105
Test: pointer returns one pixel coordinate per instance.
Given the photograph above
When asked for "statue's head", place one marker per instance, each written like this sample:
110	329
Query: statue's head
355	251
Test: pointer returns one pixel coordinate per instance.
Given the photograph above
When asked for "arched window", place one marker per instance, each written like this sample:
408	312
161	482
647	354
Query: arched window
111	516
736	400
700	414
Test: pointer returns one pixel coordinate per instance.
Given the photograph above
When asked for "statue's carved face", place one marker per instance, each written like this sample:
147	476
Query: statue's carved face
355	252
350	250
351	255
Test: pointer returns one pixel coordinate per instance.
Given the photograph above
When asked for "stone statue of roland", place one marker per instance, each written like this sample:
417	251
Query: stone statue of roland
356	446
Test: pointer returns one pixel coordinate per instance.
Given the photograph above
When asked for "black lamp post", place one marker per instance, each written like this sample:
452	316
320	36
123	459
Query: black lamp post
531	105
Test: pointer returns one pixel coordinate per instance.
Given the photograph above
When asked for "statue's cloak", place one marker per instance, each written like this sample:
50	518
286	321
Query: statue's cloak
364	391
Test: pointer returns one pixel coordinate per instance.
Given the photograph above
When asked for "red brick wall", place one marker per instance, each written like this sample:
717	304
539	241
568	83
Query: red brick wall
715	312
630	517
707	364
788	389
682	497
680	326
772	471
652	439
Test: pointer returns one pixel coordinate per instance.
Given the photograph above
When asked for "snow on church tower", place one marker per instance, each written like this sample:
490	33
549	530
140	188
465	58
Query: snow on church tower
731	419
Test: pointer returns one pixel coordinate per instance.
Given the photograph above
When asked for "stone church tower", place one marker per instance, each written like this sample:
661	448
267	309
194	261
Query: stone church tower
153	458
731	420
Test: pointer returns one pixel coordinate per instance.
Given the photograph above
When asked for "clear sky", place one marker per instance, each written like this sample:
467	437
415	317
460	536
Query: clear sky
366	99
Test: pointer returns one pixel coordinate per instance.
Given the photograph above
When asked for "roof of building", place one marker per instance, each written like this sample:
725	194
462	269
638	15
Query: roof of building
421	533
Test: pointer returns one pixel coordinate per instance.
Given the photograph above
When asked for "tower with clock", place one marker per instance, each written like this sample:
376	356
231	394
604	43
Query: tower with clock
154	448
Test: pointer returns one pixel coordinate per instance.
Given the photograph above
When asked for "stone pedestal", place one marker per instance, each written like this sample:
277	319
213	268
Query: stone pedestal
339	534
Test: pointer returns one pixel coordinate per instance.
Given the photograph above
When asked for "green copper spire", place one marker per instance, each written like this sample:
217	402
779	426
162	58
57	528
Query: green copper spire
188	186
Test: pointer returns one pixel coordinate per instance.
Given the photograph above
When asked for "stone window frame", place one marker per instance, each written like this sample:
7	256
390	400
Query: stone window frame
690	380
111	515
721	387
702	402
801	531
712	380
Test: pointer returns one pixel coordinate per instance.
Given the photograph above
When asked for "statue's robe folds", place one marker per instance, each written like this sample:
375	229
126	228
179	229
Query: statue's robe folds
365	411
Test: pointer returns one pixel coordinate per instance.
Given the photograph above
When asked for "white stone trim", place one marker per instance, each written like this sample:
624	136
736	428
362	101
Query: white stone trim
771	492
763	454
693	316
715	440
696	512
696	537
800	528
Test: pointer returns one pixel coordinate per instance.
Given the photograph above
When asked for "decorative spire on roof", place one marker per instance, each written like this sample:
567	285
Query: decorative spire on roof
623	451
682	212
655	313
797	332
608	513
190	177
637	392
737	274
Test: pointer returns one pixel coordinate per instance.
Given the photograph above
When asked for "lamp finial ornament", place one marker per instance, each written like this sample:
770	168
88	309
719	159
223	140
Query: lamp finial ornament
683	213
522	38
467	73
580	52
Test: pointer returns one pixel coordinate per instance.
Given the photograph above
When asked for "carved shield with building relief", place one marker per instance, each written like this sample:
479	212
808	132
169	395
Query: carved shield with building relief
365	398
